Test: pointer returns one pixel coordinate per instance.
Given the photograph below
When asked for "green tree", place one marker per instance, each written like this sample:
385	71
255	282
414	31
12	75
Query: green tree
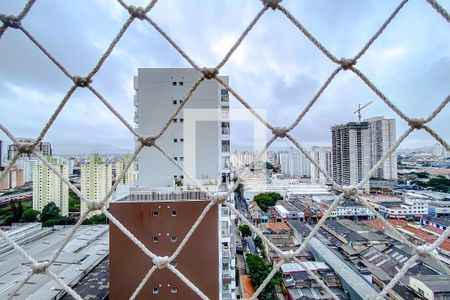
74	202
267	199
50	212
240	190
258	243
258	270
30	215
245	230
96	219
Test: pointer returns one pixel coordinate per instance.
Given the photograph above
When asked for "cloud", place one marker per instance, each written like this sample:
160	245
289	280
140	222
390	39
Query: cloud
275	68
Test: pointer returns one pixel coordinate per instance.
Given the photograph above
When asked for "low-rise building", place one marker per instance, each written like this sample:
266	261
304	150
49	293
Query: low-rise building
288	211
348	209
438	222
409	208
431	287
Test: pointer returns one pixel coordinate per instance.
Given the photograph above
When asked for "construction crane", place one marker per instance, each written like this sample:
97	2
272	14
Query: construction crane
360	108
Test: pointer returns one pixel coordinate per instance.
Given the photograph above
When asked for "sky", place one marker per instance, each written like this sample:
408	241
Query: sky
275	69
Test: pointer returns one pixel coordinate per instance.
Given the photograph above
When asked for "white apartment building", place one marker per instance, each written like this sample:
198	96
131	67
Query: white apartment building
96	180
198	138
351	209
227	254
130	175
323	156
439	151
382	137
45	148
47	187
351	153
242	158
409	207
294	163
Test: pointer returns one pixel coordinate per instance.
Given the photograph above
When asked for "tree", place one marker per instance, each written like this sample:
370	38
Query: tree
16	211
245	230
96	219
240	190
259	243
50	212
271	167
258	270
267	199
74	202
30	215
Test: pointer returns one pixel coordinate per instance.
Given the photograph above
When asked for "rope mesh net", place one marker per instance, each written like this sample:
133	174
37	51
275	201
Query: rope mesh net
211	73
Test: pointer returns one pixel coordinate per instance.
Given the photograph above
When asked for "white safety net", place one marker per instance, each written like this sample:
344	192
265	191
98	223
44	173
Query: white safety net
143	14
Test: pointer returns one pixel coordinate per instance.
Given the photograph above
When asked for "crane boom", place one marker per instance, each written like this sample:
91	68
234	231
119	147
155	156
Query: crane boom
361	108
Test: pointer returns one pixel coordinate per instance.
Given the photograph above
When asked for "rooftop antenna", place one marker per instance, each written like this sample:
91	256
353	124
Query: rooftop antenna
361	108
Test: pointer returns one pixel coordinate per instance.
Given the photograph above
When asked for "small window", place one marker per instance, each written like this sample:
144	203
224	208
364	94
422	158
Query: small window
173	239
174	102
155	290
175	158
155	239
175	176
181	158
181	120
175	140
180	83
155	213
182	176
174	83
180	101
175	120
174	213
181	140
173	290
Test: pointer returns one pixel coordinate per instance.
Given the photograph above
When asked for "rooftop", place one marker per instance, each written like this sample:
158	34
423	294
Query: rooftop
436	283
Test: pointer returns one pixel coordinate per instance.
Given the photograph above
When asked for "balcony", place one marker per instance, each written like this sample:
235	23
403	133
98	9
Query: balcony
225	211
225	114
226	252
226	149
224	98
225	130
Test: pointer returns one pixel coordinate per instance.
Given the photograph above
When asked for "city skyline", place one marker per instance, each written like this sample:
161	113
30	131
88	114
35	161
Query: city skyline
290	79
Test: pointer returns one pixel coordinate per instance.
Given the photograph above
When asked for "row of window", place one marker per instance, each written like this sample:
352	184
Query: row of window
176	140
175	101
156	213
176	120
173	290
173	239
180	83
176	158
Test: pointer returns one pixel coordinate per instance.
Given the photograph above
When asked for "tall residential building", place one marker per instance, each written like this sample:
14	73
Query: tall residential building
439	151
323	156
294	163
161	221
96	180
130	175
240	159
45	148
12	179
47	187
26	164
198	138
351	153
382	138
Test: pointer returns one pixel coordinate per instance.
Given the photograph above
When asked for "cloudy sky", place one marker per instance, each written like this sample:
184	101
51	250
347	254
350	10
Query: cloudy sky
276	68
